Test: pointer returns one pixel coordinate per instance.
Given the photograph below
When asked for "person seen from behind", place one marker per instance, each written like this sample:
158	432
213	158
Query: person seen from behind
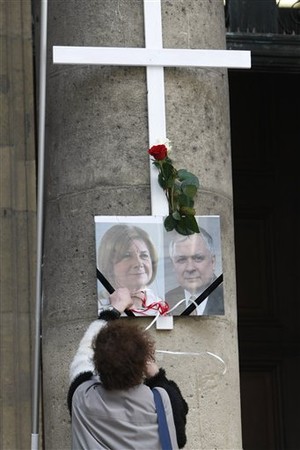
110	395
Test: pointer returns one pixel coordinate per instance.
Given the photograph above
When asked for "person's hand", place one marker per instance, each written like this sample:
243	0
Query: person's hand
121	299
138	298
151	369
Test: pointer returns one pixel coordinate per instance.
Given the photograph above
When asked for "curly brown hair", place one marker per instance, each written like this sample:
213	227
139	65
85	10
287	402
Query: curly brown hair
121	352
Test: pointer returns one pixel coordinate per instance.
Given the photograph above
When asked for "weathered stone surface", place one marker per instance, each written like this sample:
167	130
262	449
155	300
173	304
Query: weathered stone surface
97	164
17	223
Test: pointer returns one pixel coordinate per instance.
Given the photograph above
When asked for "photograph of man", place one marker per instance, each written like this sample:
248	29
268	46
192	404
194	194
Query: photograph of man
193	261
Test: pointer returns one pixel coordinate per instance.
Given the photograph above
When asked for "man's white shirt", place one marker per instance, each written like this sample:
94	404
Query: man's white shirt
188	302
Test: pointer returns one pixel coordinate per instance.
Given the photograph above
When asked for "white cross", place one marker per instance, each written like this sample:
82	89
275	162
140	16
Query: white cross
155	58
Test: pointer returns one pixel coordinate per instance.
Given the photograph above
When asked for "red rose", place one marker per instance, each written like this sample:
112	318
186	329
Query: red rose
158	152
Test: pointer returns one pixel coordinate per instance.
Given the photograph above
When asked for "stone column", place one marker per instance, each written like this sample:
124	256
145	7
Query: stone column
17	221
97	163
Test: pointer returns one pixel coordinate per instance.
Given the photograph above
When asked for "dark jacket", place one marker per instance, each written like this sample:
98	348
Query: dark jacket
214	305
82	375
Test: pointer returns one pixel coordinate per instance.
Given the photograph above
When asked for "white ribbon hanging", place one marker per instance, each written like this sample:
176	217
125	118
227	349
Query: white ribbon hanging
195	354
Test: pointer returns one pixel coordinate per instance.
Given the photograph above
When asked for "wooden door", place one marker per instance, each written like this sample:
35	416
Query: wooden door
265	130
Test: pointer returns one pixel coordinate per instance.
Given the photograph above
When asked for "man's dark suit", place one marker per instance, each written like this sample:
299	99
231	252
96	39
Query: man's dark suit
214	305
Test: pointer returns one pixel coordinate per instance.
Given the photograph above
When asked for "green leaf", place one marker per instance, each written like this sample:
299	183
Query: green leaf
184	175
187	225
170	182
177	187
186	211
193	181
184	200
189	190
182	229
168	170
156	164
180	188
176	215
191	224
169	223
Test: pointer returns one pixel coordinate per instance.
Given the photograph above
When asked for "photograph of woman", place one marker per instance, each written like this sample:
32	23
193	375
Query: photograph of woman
127	257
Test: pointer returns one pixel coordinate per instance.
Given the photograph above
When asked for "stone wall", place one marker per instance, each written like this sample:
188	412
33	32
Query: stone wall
18	221
97	164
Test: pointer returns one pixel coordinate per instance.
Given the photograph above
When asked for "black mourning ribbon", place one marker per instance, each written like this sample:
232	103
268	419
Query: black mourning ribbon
186	312
202	296
109	288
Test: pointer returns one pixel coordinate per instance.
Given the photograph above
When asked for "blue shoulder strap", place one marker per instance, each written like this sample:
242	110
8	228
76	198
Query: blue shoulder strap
163	429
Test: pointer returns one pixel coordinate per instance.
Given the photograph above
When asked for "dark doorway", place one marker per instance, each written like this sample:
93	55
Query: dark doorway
265	133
